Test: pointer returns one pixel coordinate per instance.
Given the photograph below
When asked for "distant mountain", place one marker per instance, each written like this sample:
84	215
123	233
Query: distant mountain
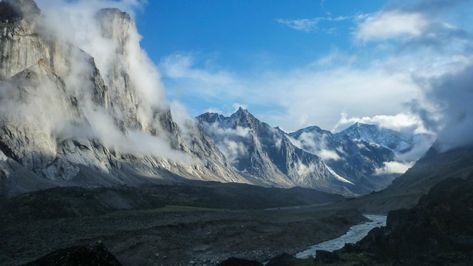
402	144
359	161
364	157
267	156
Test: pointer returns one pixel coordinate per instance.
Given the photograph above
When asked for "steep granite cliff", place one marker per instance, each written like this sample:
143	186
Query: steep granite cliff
67	120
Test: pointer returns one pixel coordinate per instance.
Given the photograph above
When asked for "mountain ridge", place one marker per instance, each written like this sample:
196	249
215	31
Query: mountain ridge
231	133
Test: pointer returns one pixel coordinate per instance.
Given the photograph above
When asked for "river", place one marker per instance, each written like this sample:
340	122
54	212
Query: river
353	235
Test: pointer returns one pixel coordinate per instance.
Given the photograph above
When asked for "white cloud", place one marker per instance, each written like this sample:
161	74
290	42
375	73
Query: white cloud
237	106
394	168
230	141
315	144
243	132
314	24
205	80
303	24
327	155
306	95
313	96
391	24
316	94
399	122
180	66
232	150
304	170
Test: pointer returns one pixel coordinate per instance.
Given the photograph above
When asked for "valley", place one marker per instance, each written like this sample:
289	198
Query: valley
185	226
112	153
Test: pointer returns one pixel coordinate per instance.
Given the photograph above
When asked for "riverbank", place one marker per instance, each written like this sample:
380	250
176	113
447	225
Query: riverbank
353	235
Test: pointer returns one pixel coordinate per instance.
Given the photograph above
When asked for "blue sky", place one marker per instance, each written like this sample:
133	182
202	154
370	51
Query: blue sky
299	63
237	32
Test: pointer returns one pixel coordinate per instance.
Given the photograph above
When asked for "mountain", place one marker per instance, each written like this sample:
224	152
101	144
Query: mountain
69	119
268	155
310	157
406	146
358	160
89	112
305	157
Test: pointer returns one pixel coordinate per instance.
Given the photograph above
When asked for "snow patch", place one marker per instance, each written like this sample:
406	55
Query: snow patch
3	157
338	176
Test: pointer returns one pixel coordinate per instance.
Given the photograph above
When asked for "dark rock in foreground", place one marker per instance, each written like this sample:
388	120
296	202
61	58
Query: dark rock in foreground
239	262
78	256
288	260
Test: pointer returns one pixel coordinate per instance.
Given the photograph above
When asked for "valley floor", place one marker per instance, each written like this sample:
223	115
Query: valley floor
177	235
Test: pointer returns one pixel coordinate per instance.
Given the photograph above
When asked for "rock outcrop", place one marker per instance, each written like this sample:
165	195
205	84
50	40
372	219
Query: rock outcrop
77	256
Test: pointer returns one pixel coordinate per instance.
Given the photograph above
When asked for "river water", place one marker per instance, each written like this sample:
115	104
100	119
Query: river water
354	234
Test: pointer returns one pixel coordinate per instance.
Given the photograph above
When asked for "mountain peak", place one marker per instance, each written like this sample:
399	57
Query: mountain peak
18	9
116	25
243	114
363	125
242	110
114	12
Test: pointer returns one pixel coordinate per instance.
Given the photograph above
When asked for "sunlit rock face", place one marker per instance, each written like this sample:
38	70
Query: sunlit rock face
68	119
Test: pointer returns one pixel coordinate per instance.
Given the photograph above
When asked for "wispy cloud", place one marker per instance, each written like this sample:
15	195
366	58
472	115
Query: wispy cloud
182	66
313	24
205	80
398	122
391	24
304	24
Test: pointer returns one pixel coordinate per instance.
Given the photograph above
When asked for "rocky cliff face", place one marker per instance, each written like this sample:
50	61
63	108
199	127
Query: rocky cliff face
65	120
266	155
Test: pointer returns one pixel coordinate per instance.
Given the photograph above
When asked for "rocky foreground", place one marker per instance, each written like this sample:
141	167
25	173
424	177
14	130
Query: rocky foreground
437	231
81	255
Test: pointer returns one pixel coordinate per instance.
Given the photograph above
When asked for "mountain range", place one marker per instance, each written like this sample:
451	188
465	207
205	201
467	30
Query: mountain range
311	157
70	116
